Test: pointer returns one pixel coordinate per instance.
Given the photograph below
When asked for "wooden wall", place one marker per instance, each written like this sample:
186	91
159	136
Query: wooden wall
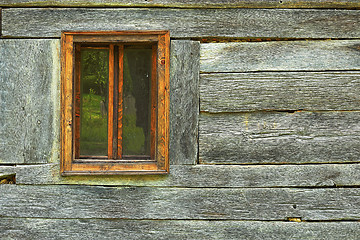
264	135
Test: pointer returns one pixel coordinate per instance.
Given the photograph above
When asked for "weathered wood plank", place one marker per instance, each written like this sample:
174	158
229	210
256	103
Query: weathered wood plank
243	23
7	171
30	228
29	100
184	101
324	175
280	56
278	137
238	92
347	4
61	201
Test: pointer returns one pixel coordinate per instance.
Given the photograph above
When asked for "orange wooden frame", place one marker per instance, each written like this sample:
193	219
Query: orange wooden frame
159	159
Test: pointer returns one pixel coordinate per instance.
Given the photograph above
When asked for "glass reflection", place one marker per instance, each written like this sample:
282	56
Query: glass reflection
137	101
94	102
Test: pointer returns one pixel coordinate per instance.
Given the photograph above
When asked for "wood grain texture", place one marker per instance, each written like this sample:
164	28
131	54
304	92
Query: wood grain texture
153	97
67	103
120	102
163	102
238	92
29	100
61	201
31	228
236	176
278	137
110	110
347	4
7	171
243	23
77	100
280	56
184	101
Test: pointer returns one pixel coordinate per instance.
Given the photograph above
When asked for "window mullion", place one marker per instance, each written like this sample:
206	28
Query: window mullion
111	102
120	102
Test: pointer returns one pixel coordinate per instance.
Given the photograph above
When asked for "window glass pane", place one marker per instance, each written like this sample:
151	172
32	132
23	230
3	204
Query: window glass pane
94	102
137	101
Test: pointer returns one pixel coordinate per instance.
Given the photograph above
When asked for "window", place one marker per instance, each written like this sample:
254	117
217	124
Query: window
115	102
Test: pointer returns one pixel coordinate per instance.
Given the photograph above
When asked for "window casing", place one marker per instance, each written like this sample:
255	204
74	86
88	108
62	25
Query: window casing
77	156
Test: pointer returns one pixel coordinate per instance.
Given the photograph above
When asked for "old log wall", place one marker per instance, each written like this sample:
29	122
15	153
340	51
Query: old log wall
264	123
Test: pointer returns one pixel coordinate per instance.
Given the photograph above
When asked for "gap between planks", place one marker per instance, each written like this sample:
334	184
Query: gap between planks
181	220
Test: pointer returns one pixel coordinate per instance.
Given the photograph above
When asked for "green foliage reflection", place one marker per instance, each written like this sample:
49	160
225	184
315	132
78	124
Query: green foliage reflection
94	107
94	101
93	137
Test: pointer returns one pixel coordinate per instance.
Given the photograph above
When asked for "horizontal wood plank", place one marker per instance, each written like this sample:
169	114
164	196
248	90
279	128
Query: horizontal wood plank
31	228
238	92
280	56
29	100
324	175
61	201
242	23
279	137
6	171
347	4
184	101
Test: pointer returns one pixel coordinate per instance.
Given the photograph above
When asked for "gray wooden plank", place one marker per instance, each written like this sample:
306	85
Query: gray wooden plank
184	101
244	23
347	4
30	228
238	92
29	100
320	175
6	171
62	201
280	56
279	137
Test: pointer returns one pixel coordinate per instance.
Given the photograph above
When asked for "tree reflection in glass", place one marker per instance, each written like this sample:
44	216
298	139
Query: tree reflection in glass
137	101
94	102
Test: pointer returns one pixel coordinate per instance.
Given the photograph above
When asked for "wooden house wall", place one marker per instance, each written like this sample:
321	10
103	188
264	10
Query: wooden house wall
264	135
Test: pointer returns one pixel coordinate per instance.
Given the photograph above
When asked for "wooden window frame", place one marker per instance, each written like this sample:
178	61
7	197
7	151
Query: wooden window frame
70	164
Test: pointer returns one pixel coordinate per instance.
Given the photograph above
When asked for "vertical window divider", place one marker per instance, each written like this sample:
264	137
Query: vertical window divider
111	102
116	100
120	101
